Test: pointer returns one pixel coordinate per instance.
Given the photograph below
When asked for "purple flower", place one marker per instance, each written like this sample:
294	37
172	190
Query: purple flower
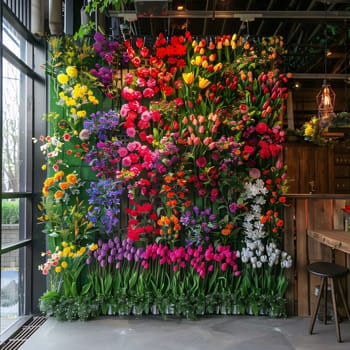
233	207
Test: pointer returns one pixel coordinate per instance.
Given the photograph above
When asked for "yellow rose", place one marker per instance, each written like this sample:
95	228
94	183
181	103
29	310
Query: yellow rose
72	72
62	78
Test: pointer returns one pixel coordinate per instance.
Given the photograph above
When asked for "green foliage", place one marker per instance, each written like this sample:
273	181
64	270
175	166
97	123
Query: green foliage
10	212
102	5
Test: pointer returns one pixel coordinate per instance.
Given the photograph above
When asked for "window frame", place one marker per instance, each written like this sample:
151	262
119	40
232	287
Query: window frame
34	240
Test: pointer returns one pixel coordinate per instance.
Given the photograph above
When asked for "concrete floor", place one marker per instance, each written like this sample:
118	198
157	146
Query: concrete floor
207	333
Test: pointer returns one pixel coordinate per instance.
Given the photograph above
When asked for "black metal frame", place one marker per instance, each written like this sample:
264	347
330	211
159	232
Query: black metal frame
17	13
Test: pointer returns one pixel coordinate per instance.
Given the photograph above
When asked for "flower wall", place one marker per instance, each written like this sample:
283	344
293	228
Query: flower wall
170	201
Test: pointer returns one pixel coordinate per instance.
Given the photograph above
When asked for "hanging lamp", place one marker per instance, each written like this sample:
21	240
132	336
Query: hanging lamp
326	97
325	102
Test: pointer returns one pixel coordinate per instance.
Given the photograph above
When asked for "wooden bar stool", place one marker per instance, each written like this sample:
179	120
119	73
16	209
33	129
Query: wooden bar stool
328	272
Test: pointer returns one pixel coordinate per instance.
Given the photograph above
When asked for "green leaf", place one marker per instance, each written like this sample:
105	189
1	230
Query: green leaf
86	288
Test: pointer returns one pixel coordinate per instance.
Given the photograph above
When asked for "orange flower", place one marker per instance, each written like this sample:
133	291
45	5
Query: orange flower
172	203
58	194
177	227
71	179
264	219
58	176
45	191
49	182
279	223
171	194
168	179
63	185
225	232
181	182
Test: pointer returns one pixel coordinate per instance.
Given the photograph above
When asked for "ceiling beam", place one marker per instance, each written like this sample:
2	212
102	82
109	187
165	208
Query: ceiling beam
315	15
320	76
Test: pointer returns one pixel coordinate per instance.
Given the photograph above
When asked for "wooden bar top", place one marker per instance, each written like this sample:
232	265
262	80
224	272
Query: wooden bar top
335	239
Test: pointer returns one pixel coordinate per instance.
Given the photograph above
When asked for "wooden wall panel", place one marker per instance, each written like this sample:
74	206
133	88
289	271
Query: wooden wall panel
301	258
314	212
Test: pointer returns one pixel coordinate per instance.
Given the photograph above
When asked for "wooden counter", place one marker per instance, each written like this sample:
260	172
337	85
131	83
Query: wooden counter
335	239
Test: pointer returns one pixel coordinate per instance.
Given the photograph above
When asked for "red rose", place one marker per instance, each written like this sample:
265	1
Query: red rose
261	128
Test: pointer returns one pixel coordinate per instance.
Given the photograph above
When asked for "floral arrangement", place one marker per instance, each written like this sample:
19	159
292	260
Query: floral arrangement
179	190
315	131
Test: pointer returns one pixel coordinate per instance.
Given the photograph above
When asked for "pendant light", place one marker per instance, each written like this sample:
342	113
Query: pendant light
326	97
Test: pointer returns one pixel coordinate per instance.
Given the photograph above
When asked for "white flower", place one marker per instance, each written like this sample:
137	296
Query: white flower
263	258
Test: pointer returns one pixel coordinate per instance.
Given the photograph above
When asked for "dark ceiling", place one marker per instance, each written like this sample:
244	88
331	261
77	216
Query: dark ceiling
309	28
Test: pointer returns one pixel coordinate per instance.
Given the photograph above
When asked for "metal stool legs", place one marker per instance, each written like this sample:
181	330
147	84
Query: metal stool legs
323	291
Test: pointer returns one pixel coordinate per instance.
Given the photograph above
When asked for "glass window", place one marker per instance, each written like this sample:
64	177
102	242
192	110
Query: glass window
16	43
12	287
19	84
14	129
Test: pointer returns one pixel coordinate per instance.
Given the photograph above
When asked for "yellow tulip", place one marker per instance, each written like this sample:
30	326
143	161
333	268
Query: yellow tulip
203	82
198	60
188	78
218	67
93	247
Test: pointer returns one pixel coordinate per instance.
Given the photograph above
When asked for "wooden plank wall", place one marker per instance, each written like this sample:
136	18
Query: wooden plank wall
301	214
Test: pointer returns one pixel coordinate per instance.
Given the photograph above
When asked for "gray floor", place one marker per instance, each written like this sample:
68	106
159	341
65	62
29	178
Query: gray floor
208	333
